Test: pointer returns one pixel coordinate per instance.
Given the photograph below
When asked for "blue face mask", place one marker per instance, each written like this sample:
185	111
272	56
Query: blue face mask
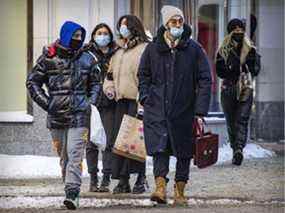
102	40
124	31
176	32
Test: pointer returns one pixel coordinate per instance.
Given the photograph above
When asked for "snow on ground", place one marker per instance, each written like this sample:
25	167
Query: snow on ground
56	202
29	166
251	151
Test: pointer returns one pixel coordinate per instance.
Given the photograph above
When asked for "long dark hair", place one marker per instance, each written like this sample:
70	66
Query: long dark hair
135	26
99	26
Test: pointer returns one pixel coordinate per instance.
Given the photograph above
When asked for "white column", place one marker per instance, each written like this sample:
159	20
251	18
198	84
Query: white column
107	12
270	82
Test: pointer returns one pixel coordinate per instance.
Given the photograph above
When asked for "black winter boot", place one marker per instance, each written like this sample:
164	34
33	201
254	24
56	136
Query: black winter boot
93	187
139	186
237	157
104	187
123	186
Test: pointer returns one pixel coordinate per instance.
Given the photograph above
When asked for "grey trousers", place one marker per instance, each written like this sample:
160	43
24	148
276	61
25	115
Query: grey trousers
70	145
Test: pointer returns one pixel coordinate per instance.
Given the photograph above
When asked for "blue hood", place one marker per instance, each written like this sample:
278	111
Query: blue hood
66	32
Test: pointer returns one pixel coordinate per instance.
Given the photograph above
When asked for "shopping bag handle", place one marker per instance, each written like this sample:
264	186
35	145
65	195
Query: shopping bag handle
140	113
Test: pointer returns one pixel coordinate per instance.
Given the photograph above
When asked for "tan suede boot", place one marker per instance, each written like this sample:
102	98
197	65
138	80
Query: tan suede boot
179	198
159	195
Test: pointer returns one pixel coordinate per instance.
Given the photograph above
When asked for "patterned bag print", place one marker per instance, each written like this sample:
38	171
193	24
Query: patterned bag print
130	140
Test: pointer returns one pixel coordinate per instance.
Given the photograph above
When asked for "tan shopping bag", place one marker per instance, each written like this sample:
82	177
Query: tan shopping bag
130	140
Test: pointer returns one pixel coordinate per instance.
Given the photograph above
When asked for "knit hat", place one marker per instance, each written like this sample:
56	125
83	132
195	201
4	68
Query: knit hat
235	23
168	11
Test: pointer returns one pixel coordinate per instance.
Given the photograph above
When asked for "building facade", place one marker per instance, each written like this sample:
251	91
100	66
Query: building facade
28	25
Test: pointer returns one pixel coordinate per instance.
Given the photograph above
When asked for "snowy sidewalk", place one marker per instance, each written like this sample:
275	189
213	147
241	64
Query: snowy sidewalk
258	181
29	166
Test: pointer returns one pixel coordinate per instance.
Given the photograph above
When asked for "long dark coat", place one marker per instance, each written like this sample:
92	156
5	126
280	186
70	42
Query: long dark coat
174	86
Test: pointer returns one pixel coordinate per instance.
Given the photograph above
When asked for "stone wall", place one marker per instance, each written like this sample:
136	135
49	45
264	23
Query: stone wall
269	110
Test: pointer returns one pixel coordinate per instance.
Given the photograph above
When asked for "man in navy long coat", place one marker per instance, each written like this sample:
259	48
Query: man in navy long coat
174	87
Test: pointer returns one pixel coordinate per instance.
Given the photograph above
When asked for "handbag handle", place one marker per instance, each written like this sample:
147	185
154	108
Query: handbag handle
199	127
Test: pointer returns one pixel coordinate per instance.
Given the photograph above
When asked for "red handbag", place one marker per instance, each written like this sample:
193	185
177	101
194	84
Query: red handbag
206	146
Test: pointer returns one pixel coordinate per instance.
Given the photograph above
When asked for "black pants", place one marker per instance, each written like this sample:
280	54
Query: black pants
161	167
122	167
107	115
237	115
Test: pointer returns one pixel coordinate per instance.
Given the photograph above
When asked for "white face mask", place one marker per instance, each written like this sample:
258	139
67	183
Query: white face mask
176	32
124	31
102	40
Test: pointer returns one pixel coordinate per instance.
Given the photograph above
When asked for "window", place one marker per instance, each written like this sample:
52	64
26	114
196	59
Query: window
149	11
15	59
210	23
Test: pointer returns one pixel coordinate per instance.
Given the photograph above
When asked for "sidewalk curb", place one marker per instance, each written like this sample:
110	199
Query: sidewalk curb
144	197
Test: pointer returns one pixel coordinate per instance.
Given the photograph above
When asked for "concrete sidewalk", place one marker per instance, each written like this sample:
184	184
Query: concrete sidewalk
257	182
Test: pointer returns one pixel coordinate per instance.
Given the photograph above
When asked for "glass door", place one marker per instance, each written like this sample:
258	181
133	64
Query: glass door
210	25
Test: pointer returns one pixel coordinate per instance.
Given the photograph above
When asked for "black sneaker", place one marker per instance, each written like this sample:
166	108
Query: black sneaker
237	157
71	201
104	187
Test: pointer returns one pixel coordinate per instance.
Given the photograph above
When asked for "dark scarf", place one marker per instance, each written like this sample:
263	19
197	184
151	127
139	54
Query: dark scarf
134	41
162	46
63	52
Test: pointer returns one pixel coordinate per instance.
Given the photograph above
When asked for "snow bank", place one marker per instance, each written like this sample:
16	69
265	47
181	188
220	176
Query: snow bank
30	166
251	151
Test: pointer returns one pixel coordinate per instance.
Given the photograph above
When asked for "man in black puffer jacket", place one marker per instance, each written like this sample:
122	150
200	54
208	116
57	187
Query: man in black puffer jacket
72	85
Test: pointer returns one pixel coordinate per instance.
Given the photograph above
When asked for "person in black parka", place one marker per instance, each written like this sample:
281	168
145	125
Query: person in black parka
174	87
237	63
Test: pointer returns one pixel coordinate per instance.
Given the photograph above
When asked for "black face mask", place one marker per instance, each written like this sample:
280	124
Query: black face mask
238	37
75	44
